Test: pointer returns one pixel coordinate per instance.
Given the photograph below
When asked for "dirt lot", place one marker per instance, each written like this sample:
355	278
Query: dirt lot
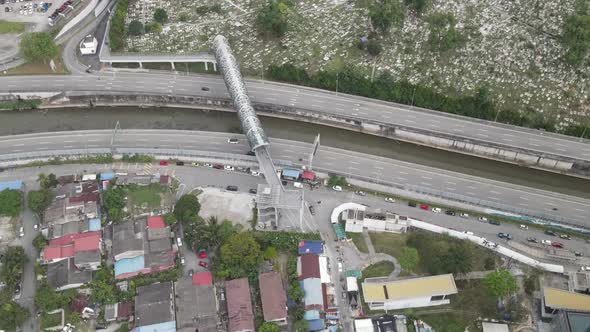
7	231
236	207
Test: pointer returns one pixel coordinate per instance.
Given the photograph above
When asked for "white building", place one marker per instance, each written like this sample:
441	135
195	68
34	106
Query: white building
358	218
383	294
88	45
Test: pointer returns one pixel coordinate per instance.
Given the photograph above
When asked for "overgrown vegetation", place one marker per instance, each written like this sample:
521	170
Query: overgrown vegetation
38	47
385	14
576	37
117	32
10	202
40	242
47	299
284	241
20	104
137	158
240	256
272	18
113	202
443	33
96	159
13	262
335	180
12	314
38	201
11	27
380	269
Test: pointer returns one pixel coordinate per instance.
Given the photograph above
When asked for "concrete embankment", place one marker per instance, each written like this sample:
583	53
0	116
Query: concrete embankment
480	148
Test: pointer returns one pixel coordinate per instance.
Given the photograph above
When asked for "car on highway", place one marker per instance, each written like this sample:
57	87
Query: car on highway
436	210
204	264
233	140
195	164
191	272
546	242
311	210
389	200
179	241
464	215
163	163
494	222
565	237
253	191
450	212
231	188
208	165
228	168
180	163
483	219
412	204
337	188
424	206
584	268
550	232
204	88
557	244
202	254
218	166
524	227
361	193
532	239
506	236
468	232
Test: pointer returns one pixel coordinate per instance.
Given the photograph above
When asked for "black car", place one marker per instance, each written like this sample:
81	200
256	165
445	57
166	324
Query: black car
451	212
205	88
412	204
284	183
494	222
251	153
180	163
532	239
231	188
252	191
312	210
550	232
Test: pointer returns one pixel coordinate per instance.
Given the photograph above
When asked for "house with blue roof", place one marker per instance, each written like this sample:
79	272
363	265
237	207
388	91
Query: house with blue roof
310	247
13	185
313	298
316	325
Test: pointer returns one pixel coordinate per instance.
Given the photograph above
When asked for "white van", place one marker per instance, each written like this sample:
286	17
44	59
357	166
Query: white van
298	185
21	231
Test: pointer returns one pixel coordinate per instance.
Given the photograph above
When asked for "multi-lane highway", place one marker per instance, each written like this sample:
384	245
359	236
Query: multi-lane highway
370	168
304	98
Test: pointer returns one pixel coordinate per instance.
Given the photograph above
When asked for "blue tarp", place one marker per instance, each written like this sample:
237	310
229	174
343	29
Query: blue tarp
311	315
128	265
291	174
16	185
107	176
313	291
311	247
316	324
94	225
161	327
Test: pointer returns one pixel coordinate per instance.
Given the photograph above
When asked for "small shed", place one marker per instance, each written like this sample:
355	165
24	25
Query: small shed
291	174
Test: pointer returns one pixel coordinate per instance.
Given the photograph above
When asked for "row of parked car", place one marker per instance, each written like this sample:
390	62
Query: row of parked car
62	11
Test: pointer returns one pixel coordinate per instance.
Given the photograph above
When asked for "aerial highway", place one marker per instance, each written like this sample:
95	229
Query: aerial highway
362	166
303	98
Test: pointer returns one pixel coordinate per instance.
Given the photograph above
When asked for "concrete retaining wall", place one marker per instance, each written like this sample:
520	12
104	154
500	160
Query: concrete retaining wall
483	149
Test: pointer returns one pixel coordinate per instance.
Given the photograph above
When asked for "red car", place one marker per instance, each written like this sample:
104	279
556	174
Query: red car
424	206
203	264
557	244
163	163
202	254
218	166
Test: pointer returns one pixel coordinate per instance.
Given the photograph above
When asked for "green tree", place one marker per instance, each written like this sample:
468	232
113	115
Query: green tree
272	19
443	34
47	181
335	180
113	203
153	27
136	28
240	256
187	204
169	219
160	16
103	287
270	253
183	17
38	47
118	33
269	327
459	258
386	13
39	200
39	242
12	266
500	283
374	47
301	326
46	298
576	38
12	315
295	292
10	202
409	258
418	5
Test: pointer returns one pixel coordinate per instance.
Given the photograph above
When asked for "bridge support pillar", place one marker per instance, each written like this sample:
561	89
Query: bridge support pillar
140	64
172	64
206	67
214	66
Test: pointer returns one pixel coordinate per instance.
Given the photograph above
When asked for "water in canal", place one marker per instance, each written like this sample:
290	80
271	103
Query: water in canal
172	118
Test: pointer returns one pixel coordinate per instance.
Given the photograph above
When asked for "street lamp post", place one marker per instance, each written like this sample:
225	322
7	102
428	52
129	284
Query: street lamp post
337	77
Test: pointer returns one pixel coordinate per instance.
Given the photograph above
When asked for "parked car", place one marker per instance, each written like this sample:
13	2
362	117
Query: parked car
36	227
204	88
389	200
251	153
436	210
468	232
208	165
180	163
578	254
505	236
483	219
557	244
412	204
228	168
337	188
202	254
361	193
311	210
450	212
195	164
163	163
21	231
182	260
565	237
584	268
464	215
532	239
524	227
255	173
204	264
424	206
253	191
233	140
550	232
340	269
546	242
495	222
231	188
179	241
218	166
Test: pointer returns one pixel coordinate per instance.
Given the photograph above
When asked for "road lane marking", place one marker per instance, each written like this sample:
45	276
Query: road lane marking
20	144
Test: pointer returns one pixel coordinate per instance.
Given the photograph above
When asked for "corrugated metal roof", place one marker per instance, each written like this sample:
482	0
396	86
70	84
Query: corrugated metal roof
316	324
311	247
272	294
155	222
311	314
291	173
562	299
340	234
310	267
409	288
107	176
352	284
129	265
94	225
313	291
15	185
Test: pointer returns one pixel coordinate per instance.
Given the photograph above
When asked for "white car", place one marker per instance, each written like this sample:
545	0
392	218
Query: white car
36	227
389	200
464	215
340	267
436	210
468	232
255	173
232	140
228	168
182	260
179	242
524	227
337	188
546	242
21	232
483	219
584	268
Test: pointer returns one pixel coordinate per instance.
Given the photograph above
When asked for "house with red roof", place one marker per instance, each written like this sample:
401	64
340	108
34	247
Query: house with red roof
84	248
274	299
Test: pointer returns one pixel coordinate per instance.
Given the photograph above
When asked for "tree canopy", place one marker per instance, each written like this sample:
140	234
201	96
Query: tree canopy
153	27
442	254
500	283
136	28
240	256
10	202
12	315
386	13
409	258
160	16
269	327
113	200
39	242
272	19
47	181
576	38
38	47
118	33
187	204
443	34
12	266
374	47
418	5
301	326
39	200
